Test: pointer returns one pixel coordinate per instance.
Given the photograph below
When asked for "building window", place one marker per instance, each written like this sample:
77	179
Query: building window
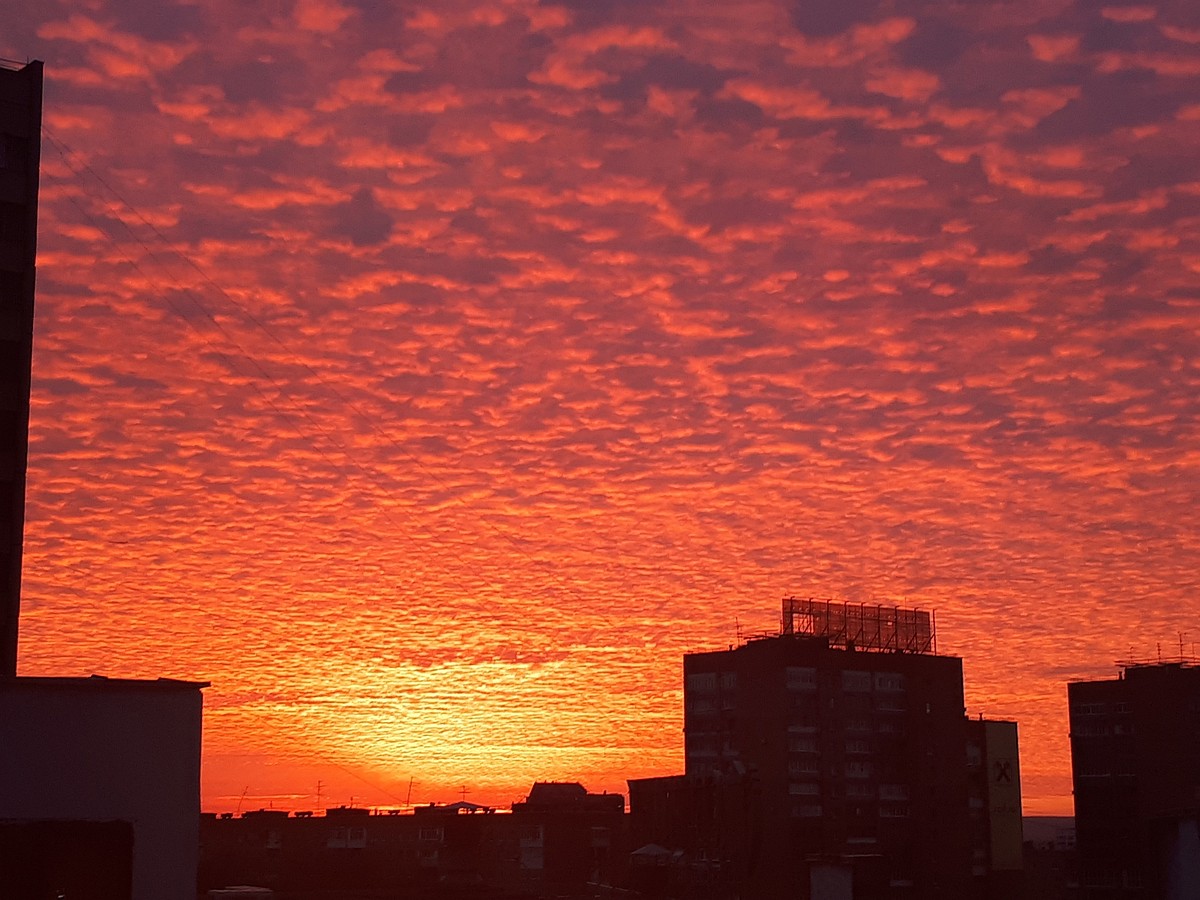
889	681
893	792
858	770
800	678
428	833
806	811
800	744
701	706
974	755
804	789
702	683
804	766
805	714
858	746
856	682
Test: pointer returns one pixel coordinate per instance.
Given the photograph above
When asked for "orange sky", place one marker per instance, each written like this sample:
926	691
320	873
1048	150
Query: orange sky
431	378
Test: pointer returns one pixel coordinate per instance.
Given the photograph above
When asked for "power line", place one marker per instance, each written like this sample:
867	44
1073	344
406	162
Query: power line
66	153
283	414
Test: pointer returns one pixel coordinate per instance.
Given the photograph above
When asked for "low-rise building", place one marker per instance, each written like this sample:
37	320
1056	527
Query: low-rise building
99	788
556	842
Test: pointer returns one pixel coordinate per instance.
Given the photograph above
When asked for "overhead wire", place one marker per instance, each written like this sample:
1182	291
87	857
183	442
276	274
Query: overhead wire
282	415
371	475
66	153
256	374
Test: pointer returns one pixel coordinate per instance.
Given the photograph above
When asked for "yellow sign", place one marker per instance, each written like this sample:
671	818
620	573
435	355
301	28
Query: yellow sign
1004	794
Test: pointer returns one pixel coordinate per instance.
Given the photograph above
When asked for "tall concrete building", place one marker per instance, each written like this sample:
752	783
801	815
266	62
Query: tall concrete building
833	761
1135	762
20	143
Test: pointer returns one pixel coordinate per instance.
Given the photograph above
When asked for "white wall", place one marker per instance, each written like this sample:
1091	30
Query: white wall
98	749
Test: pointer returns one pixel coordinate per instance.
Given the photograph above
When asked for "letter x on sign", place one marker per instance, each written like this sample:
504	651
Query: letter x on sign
1003	768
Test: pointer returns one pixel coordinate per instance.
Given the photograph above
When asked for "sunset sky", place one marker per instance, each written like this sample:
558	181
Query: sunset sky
431	377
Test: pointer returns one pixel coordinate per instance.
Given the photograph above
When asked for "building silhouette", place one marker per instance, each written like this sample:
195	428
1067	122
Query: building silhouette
1051	861
20	152
555	843
1135	765
99	788
834	760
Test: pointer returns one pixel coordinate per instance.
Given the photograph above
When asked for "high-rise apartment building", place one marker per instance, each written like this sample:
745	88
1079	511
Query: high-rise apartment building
20	143
834	761
1135	761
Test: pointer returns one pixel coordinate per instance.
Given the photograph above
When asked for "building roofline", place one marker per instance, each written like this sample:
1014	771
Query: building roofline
15	65
821	642
103	682
1124	666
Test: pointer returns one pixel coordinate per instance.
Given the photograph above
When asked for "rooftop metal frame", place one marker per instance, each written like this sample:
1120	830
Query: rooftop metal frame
861	626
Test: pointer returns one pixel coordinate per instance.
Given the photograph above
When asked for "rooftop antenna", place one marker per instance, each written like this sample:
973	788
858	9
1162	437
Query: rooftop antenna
408	796
737	629
320	784
245	790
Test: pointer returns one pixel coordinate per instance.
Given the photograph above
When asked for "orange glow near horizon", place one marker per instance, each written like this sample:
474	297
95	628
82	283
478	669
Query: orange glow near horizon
430	380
